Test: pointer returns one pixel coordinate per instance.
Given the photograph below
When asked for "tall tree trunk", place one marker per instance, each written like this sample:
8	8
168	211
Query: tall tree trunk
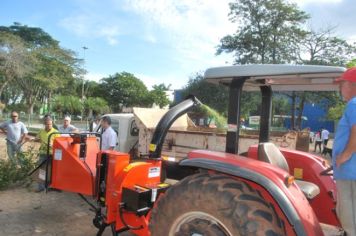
30	112
292	117
49	102
2	87
300	114
90	114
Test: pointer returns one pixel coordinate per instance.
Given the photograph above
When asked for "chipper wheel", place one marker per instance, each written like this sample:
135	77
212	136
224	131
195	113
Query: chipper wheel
213	205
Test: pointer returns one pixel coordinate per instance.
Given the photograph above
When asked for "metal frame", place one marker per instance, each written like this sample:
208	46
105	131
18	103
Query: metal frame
166	122
266	111
233	118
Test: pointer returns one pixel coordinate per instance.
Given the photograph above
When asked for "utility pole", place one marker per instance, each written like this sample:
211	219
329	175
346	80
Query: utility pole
84	48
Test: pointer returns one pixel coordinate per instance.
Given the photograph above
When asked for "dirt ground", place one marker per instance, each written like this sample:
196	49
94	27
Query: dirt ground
25	213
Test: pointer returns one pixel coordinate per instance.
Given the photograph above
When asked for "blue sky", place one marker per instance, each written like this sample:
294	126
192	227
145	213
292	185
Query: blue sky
159	41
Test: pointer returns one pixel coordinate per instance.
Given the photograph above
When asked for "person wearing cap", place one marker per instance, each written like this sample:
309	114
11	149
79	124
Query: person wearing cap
67	127
344	154
108	137
16	133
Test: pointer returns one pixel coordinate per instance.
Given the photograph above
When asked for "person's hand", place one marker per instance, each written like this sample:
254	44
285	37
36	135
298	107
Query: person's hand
342	158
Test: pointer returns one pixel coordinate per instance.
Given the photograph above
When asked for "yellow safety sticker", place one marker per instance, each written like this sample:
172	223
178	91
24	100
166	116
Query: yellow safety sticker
163	185
152	147
132	165
298	173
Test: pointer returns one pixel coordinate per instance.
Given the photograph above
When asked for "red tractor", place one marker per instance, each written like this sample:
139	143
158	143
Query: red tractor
265	191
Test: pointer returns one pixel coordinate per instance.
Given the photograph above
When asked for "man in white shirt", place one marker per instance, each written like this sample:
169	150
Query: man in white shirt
16	133
108	137
325	138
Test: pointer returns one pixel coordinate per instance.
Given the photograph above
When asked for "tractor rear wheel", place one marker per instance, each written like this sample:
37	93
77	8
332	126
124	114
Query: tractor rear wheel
213	205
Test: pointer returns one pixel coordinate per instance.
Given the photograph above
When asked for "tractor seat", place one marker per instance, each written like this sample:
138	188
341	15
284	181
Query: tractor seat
268	152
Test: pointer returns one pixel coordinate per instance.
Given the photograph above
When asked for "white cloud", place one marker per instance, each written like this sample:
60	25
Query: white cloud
110	33
149	80
89	25
305	2
192	27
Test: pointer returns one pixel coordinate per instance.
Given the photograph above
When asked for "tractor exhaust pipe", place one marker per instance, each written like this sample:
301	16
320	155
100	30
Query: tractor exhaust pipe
165	123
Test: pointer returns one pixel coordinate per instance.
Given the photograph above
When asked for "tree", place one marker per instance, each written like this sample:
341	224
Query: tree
324	48
351	63
14	59
51	65
268	31
158	95
215	96
95	106
67	104
124	90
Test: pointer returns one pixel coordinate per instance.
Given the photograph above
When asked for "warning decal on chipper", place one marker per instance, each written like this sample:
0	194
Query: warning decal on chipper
58	154
152	147
154	172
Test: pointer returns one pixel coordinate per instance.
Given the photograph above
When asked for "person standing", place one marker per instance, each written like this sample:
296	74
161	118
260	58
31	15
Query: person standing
43	136
344	154
67	127
318	141
16	133
108	137
95	124
325	136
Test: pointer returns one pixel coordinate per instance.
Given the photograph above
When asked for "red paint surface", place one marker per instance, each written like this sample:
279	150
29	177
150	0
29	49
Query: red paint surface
277	176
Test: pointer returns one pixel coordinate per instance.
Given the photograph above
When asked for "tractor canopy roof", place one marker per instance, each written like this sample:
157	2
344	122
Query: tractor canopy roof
279	77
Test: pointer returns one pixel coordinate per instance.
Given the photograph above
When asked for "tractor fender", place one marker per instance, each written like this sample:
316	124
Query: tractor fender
258	178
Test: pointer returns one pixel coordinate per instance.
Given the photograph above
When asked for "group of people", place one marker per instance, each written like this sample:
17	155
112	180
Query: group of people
17	133
321	137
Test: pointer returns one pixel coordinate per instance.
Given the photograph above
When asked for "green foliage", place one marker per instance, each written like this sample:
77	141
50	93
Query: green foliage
351	63
335	112
52	67
324	48
273	31
16	172
96	105
215	96
250	104
14	60
158	95
268	31
220	121
67	104
280	104
124	90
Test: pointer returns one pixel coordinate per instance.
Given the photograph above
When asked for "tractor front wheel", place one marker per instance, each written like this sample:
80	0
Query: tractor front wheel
213	205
